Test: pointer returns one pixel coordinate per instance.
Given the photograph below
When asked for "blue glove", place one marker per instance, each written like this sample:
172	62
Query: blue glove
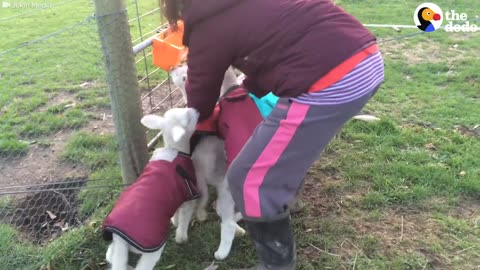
265	104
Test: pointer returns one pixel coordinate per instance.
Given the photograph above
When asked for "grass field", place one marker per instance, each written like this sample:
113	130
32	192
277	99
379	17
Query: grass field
401	193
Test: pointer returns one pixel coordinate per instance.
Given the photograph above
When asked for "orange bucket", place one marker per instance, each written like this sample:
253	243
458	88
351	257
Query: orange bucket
168	50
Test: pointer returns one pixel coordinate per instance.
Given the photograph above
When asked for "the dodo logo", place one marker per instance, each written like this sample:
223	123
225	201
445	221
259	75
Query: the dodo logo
428	17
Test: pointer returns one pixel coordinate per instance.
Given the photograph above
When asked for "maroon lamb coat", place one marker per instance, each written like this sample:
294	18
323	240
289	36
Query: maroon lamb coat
235	119
142	214
238	118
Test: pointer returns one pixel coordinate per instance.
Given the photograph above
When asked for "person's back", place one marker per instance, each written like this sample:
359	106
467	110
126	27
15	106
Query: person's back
282	46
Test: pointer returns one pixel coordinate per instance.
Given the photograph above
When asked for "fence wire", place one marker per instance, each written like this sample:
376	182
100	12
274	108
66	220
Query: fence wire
58	155
43	212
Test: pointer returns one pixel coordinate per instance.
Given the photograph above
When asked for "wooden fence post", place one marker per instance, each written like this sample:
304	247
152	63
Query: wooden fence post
119	59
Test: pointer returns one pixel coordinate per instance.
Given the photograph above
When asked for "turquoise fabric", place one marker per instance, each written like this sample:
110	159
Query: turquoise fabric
265	104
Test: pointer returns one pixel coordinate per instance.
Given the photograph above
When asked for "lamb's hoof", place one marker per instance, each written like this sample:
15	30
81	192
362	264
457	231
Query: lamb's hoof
201	215
239	231
180	238
174	222
219	255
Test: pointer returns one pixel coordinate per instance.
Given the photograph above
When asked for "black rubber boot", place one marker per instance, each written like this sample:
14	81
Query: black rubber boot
274	244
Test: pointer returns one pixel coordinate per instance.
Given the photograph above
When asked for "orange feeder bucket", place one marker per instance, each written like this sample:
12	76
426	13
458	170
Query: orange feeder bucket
168	50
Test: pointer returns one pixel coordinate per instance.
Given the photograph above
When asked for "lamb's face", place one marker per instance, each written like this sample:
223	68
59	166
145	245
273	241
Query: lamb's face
181	121
179	79
179	76
177	125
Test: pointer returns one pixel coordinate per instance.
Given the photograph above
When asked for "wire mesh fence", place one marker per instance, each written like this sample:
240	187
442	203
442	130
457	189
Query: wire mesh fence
42	212
58	154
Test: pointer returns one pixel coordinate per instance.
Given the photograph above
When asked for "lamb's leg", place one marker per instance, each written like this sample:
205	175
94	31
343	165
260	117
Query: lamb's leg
185	213
238	217
117	254
149	260
201	211
226	210
202	166
174	219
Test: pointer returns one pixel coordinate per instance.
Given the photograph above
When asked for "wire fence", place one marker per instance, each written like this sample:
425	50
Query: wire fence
43	212
58	155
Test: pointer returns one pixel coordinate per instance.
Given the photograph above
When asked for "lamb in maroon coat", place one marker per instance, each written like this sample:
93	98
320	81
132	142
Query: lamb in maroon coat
233	126
140	220
142	214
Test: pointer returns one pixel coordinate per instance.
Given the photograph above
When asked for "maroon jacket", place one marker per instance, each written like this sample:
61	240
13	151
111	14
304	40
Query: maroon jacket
237	120
229	123
282	46
142	214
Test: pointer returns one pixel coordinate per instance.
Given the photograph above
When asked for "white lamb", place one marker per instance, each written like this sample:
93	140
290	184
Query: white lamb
179	78
210	168
140	220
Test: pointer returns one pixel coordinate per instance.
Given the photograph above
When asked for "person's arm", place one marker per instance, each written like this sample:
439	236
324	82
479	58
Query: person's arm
252	86
210	54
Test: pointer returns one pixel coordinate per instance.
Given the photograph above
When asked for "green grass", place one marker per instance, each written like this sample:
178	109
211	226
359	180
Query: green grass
58	65
92	150
401	193
9	145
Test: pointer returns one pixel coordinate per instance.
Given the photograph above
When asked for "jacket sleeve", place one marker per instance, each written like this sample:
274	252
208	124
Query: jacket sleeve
210	53
252	86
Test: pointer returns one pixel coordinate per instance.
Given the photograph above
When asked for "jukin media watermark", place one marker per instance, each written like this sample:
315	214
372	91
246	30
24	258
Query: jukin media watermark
26	5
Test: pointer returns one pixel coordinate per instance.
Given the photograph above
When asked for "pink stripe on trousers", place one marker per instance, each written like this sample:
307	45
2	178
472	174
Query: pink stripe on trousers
269	156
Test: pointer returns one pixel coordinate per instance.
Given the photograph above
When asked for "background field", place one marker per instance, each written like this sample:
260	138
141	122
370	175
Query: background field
401	193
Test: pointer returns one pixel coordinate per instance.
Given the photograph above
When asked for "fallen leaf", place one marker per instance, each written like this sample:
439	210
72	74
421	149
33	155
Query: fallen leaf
170	266
28	142
430	146
366	118
462	173
59	224
87	84
92	223
69	105
65	227
51	215
211	266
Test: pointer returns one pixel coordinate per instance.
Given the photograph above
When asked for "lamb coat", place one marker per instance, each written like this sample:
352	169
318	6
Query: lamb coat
142	214
236	117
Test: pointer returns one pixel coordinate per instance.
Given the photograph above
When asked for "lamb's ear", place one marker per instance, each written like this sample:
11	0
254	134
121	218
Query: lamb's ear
153	121
177	133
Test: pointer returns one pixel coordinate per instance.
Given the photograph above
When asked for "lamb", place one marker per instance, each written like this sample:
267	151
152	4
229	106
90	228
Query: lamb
210	168
140	220
179	78
210	160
